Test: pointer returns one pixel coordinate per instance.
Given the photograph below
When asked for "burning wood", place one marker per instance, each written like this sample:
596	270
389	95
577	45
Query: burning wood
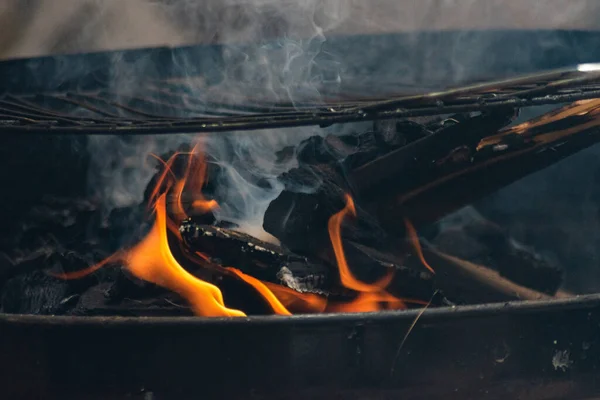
344	222
262	260
488	165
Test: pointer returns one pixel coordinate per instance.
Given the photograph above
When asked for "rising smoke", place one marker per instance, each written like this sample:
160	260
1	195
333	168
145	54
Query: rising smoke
280	64
288	51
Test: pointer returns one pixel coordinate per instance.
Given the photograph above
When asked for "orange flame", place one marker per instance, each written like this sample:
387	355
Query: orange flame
298	302
163	179
414	240
372	297
370	301
347	278
115	258
261	288
194	179
152	261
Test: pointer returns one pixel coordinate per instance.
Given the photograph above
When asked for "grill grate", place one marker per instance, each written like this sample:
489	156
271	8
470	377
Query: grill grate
173	106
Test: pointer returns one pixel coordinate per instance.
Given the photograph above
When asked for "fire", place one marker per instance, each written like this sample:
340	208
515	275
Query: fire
371	297
298	302
194	178
152	260
261	288
414	240
346	276
370	301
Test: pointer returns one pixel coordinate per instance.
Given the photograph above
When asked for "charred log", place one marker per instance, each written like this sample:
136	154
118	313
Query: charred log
370	166
262	260
411	165
410	280
473	238
479	168
470	283
274	264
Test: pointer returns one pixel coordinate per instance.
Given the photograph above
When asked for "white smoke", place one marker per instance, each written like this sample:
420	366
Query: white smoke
272	50
256	66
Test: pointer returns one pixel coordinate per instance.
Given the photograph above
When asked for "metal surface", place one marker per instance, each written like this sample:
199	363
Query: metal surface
526	350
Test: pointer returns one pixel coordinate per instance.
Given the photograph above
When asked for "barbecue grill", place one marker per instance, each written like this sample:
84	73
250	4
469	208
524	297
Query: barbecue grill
540	348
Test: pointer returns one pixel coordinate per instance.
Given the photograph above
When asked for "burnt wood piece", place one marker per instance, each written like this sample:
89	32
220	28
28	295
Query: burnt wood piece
33	293
63	235
316	189
410	279
299	219
436	151
113	291
365	166
522	265
476	239
274	264
141	299
469	283
426	193
262	260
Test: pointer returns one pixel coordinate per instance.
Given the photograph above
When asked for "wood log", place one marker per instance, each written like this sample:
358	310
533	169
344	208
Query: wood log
410	280
262	260
330	168
465	174
470	283
474	238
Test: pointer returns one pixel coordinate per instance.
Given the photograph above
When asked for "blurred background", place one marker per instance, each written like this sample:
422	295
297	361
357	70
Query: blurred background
40	27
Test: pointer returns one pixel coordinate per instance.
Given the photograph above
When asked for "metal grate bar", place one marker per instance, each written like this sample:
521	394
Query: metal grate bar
170	107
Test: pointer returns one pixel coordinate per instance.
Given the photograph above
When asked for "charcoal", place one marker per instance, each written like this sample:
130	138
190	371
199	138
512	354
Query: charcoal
354	150
126	286
299	219
386	133
465	282
523	265
33	293
469	236
410	279
10	267
98	301
392	134
314	150
368	166
262	260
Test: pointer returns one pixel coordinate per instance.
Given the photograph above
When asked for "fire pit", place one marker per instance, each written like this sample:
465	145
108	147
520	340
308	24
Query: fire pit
310	232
